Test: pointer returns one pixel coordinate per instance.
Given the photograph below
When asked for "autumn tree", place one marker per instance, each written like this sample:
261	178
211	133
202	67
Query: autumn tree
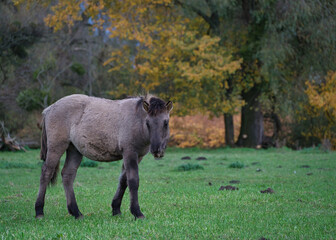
322	106
194	72
279	45
172	57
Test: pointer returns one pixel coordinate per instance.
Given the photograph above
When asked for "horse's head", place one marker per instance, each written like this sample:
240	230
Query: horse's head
157	124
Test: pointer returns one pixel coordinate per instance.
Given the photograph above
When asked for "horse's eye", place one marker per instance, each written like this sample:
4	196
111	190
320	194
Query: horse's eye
165	124
147	124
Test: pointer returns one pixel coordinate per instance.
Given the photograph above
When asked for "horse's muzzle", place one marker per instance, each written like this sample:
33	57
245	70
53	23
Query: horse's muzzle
158	155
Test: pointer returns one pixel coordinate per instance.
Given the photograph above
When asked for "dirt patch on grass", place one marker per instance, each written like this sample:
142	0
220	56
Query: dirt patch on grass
186	158
228	187
201	158
268	190
304	166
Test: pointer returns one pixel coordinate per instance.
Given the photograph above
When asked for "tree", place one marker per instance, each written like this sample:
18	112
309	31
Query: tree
322	104
278	41
199	65
194	72
19	32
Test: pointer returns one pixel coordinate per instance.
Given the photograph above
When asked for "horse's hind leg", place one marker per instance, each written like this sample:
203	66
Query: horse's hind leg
49	170
69	171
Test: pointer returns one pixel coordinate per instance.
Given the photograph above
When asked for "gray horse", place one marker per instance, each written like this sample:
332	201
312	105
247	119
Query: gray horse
102	130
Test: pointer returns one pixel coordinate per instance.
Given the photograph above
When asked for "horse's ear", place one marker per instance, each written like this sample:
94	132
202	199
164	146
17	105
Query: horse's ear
145	106
169	106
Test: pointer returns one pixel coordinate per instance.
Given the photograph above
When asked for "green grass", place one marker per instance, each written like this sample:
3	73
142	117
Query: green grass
180	204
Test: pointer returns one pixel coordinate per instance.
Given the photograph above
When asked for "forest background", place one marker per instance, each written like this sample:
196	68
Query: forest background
250	73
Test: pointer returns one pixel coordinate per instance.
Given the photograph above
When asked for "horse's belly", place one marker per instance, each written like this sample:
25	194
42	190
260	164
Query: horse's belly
101	155
98	149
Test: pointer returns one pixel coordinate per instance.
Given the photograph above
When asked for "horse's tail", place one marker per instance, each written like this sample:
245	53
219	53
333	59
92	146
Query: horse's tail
44	150
44	146
53	180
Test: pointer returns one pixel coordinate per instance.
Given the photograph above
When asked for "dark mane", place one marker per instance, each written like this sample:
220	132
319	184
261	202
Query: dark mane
139	102
156	105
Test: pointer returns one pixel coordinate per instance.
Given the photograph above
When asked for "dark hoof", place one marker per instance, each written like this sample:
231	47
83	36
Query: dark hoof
79	217
139	217
137	214
40	216
116	212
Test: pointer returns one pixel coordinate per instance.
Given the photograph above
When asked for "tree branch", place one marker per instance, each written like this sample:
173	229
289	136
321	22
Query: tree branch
197	11
212	20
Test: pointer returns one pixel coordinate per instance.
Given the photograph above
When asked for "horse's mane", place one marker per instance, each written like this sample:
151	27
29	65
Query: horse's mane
156	105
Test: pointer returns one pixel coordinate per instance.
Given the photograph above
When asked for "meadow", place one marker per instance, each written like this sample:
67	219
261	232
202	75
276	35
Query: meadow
180	198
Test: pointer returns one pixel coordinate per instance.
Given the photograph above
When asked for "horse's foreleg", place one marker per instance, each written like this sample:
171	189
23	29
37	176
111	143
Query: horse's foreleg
117	199
132	174
116	202
69	171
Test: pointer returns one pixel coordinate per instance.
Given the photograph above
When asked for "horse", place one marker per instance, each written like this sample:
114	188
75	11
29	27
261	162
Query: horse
102	130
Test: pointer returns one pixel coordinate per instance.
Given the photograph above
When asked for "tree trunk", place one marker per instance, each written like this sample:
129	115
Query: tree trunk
252	125
229	129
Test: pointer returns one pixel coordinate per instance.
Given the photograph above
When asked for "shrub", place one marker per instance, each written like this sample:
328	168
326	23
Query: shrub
199	131
237	165
88	163
78	68
32	99
189	167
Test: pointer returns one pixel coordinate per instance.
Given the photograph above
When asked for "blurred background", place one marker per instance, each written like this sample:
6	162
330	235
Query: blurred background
245	73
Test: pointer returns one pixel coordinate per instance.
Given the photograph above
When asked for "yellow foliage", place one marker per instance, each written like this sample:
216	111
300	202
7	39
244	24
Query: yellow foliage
192	70
199	131
322	101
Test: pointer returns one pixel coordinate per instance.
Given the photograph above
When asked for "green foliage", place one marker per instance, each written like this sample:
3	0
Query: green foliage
311	150
189	167
32	99
78	68
88	163
237	165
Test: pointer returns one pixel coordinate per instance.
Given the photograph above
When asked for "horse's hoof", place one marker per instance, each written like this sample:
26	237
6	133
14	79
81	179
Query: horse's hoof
116	213
79	217
140	217
39	216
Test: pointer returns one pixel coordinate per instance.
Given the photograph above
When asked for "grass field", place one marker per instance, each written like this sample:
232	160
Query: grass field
184	203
